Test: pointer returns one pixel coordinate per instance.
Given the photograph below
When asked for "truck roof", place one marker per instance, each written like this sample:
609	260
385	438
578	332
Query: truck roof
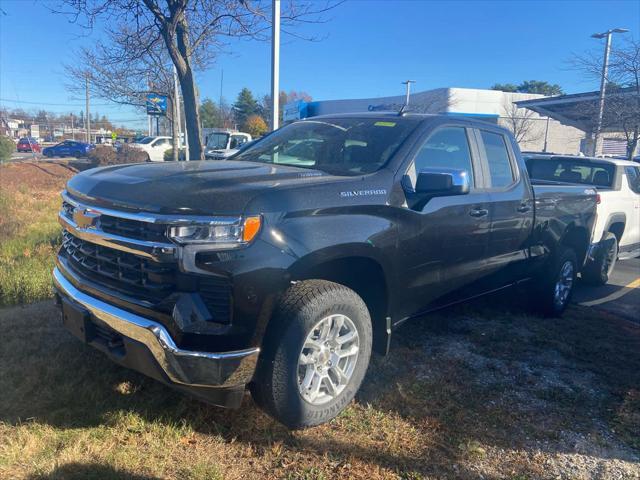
410	116
615	161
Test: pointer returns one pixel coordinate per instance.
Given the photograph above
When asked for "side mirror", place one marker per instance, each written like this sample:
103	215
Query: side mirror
441	182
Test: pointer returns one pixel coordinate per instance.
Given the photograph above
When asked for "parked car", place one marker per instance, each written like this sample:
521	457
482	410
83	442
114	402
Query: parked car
284	272
27	144
154	147
222	144
617	229
68	148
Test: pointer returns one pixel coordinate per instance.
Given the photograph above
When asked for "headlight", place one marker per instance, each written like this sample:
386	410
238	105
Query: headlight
231	232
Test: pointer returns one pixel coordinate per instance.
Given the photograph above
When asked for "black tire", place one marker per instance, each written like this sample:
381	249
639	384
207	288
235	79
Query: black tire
276	385
546	298
598	270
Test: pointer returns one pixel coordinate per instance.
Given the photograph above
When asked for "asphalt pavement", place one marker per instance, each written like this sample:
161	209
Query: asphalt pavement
620	296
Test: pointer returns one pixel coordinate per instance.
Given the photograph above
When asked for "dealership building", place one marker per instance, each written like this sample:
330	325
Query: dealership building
536	129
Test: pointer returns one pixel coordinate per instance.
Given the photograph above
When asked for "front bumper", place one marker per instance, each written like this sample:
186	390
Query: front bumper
147	346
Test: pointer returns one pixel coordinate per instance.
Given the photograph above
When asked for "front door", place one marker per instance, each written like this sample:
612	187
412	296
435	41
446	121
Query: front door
443	244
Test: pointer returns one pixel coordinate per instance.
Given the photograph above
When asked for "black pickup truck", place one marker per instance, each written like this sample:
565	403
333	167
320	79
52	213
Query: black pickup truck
283	268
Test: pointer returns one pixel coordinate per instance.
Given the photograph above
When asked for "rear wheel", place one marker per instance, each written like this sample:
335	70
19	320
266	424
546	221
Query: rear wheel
315	354
598	270
554	289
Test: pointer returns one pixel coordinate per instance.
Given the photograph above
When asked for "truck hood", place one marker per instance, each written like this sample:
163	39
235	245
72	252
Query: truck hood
207	187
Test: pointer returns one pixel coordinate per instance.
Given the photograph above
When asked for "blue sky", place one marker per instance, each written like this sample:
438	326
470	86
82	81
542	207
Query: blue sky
370	47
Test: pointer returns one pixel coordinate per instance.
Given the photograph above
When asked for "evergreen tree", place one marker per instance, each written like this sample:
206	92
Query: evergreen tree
245	106
210	114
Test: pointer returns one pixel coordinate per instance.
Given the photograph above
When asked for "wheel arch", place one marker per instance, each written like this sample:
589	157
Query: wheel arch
616	224
362	273
578	239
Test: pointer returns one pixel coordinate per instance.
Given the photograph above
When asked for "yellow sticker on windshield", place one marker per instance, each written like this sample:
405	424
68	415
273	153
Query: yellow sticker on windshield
385	124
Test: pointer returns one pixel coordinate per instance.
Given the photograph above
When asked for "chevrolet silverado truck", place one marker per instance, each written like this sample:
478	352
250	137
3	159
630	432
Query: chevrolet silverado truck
283	268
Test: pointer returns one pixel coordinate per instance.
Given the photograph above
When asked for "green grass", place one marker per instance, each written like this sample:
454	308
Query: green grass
29	237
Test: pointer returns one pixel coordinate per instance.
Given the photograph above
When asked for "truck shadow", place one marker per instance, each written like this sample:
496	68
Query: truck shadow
89	471
458	385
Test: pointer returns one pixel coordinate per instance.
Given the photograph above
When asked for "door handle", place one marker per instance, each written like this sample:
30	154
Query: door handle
479	212
523	208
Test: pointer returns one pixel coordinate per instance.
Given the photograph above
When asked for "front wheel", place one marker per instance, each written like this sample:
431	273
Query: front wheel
554	289
599	270
315	355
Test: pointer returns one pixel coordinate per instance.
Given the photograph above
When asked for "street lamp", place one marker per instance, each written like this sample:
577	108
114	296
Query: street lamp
603	83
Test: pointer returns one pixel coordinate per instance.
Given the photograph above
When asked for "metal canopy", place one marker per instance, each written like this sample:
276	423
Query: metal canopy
579	110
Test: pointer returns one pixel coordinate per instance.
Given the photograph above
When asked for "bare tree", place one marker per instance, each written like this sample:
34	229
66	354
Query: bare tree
120	71
192	31
521	122
622	103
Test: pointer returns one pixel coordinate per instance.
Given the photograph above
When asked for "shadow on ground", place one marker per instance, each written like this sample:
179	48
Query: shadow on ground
81	471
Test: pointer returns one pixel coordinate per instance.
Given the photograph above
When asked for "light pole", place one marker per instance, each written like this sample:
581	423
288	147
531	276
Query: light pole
603	84
275	65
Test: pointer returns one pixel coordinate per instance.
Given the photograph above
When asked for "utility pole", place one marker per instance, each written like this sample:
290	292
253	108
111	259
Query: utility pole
88	114
220	112
73	132
408	84
275	65
176	117
597	141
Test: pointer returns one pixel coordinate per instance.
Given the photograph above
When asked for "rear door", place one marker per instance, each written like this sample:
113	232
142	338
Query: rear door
512	209
443	245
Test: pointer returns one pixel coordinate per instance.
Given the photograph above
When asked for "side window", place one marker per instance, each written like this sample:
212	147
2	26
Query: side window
237	141
500	168
447	147
633	177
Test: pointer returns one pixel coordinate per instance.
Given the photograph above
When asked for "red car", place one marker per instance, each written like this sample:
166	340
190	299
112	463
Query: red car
29	145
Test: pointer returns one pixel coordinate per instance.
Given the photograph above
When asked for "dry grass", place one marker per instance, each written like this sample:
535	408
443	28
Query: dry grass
472	392
29	232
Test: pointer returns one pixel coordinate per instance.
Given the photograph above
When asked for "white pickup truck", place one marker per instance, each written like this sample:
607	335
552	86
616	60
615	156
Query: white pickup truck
616	234
221	144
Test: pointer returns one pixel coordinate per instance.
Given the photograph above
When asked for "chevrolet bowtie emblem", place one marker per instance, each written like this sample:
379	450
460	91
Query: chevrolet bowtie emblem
85	218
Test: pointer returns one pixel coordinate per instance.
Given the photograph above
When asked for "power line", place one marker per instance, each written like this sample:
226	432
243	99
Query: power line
11	100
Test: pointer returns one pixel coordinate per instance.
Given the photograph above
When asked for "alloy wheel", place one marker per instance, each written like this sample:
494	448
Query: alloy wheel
327	359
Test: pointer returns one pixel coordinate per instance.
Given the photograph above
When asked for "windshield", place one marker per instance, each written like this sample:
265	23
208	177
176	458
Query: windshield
217	140
146	140
340	146
571	170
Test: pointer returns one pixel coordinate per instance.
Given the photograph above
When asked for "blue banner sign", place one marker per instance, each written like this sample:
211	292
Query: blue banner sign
156	104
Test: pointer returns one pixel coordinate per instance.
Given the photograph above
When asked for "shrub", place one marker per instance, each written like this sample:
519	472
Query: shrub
7	147
106	155
103	155
168	155
129	154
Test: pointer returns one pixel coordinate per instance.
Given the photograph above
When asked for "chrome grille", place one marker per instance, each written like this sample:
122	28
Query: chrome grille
119	269
135	258
152	232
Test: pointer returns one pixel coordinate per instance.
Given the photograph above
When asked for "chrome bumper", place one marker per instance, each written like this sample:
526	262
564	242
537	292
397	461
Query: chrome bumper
183	367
